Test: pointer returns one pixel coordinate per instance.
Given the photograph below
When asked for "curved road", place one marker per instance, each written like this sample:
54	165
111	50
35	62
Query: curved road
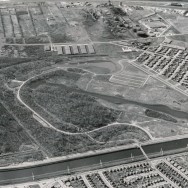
48	170
61	131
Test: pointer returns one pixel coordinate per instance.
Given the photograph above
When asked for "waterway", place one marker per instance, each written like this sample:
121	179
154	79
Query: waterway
92	162
120	100
68	166
155	107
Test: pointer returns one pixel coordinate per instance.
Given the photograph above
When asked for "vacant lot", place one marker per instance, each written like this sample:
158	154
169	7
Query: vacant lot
17	32
26	25
80	24
180	23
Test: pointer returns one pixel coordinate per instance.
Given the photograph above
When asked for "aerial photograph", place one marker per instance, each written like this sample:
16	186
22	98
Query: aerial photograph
93	93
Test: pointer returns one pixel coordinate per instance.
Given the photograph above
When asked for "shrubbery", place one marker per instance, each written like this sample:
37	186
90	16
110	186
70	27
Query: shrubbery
159	115
70	104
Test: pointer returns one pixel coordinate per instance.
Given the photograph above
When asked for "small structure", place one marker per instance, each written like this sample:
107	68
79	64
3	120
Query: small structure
186	13
167	41
67	50
74	49
47	47
82	49
126	49
54	48
175	47
59	50
156	24
90	49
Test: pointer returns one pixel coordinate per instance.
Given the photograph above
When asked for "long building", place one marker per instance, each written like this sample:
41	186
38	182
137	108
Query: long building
82	49
59	50
67	50
74	49
90	49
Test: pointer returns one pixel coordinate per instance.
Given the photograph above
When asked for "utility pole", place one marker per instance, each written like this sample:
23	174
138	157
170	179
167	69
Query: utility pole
132	157
68	169
100	163
162	152
33	176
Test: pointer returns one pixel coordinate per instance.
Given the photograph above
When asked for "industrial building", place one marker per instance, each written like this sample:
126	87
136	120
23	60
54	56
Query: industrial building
90	49
66	50
59	50
156	24
74	49
82	49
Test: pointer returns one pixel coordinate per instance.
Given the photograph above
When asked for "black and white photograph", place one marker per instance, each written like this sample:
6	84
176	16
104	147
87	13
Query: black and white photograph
93	93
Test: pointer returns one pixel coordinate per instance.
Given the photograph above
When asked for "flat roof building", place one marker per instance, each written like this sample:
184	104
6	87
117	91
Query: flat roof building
90	49
74	49
47	47
167	41
67	50
156	24
82	49
59	50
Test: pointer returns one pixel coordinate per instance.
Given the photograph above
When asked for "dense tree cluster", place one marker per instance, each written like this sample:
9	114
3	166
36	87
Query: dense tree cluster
71	105
12	136
53	142
159	115
23	69
120	132
67	102
118	11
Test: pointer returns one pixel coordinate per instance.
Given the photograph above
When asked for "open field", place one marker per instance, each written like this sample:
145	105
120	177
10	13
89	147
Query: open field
129	80
130	76
57	22
7	26
153	92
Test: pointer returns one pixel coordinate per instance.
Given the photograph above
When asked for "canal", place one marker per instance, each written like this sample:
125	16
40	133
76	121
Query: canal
91	162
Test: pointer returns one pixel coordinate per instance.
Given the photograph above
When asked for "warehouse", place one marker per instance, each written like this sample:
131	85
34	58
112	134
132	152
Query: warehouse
74	49
67	50
82	49
156	24
59	50
90	49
